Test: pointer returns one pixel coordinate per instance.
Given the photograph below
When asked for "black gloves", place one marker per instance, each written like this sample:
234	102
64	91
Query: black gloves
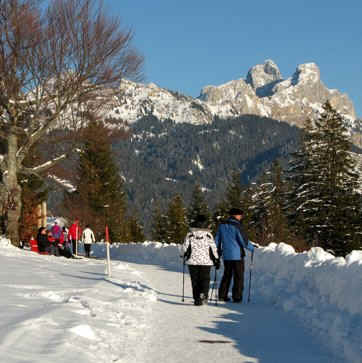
217	263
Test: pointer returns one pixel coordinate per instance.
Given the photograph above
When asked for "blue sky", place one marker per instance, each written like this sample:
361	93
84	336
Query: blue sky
190	44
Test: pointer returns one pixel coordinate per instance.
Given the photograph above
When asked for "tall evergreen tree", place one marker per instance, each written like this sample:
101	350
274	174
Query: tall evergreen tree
198	205
100	187
159	224
340	180
219	215
233	191
176	220
259	209
135	230
324	180
247	202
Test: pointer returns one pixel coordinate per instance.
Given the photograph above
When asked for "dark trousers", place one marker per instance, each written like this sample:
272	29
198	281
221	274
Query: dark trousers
232	270
87	249
54	249
73	242
200	280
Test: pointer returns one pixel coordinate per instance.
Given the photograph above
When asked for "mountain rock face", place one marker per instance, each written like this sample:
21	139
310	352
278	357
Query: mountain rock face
263	77
264	92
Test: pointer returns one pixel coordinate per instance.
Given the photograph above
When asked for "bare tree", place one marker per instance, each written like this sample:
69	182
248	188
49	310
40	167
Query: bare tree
52	59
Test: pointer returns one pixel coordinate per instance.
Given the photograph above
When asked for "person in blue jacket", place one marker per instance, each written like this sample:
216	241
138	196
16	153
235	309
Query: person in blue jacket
231	242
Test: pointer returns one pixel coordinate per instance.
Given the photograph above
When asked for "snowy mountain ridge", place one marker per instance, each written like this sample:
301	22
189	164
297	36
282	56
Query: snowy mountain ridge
263	92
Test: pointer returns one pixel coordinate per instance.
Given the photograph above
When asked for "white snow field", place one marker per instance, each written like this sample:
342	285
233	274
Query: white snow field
304	308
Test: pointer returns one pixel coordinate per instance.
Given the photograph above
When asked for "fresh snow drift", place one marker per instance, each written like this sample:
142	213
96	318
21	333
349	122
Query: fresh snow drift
54	309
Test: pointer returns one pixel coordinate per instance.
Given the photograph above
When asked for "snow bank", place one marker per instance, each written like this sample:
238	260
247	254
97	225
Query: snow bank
323	291
155	253
7	249
5	243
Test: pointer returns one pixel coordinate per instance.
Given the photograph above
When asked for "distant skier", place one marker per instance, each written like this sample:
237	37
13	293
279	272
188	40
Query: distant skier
200	253
88	239
231	242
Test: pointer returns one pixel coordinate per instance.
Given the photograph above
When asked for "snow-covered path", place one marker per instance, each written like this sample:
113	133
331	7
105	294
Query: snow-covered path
233	332
54	310
58	310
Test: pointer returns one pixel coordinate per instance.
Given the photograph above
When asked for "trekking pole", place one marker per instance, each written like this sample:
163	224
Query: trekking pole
183	279
212	291
213	288
251	267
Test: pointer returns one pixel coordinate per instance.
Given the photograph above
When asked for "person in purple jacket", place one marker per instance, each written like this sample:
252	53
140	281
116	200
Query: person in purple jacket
231	242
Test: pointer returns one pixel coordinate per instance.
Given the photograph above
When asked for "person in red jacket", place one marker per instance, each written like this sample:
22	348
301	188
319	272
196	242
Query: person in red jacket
75	234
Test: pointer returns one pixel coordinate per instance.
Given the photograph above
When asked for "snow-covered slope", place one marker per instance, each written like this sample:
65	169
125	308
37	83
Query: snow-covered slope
264	92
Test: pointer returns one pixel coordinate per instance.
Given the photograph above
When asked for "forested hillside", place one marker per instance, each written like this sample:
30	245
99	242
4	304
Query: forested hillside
163	158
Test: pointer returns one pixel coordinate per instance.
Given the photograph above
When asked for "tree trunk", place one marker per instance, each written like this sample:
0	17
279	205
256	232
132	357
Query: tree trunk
14	191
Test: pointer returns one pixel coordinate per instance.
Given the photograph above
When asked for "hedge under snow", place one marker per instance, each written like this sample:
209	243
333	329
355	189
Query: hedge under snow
323	291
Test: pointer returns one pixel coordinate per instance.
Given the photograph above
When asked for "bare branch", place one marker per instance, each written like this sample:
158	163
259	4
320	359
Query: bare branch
38	170
54	59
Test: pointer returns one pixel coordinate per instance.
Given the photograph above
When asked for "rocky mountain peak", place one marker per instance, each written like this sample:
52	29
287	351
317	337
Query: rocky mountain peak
306	73
262	77
263	92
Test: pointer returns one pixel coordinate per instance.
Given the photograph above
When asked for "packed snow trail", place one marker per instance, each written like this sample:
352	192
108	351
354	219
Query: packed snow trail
54	310
58	310
237	333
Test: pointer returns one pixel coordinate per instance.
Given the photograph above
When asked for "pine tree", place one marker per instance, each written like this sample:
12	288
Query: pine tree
323	196
176	220
259	210
135	230
247	202
198	205
338	175
100	187
303	197
220	214
233	191
159	224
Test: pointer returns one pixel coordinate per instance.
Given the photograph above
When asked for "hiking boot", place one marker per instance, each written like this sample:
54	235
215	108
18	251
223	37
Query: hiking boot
203	299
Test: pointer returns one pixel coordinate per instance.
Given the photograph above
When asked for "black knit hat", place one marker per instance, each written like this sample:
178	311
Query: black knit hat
201	221
236	212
